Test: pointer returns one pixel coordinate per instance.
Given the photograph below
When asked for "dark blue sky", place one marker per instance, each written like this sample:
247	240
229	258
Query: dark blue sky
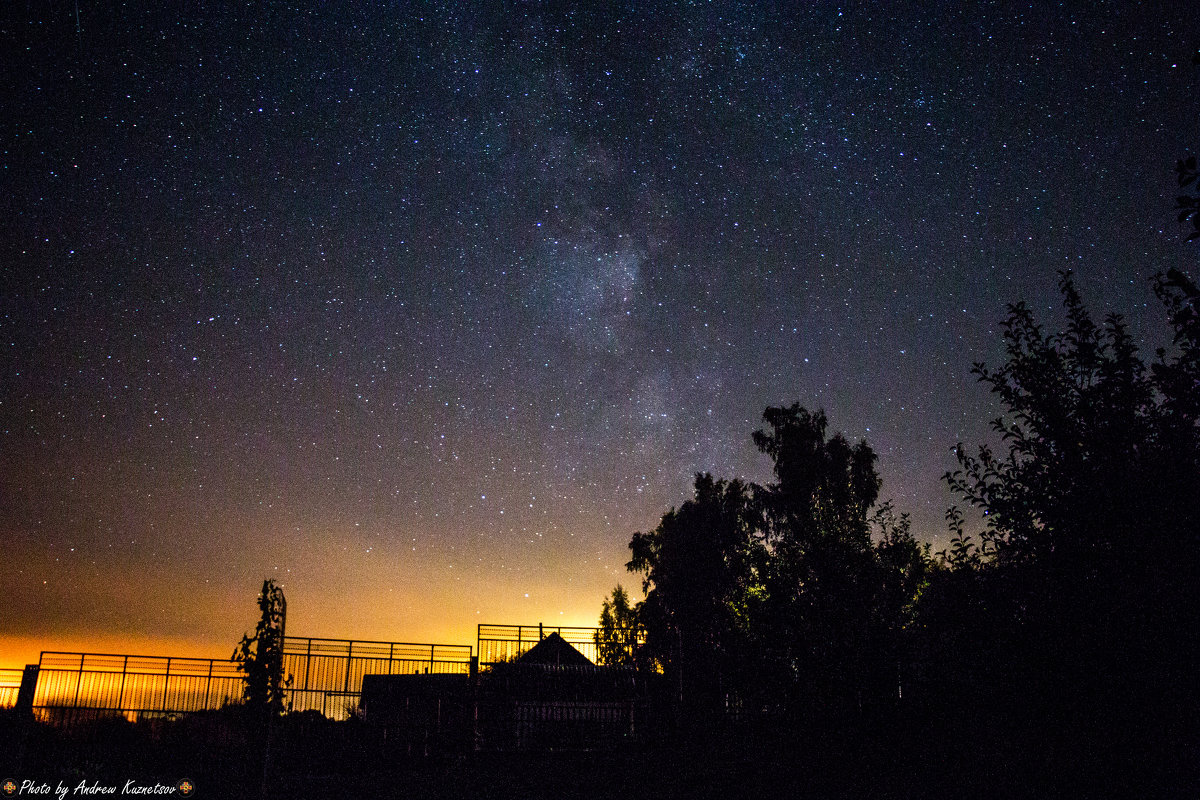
425	309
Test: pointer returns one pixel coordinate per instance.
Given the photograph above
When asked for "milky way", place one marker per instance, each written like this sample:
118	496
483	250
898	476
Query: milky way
425	310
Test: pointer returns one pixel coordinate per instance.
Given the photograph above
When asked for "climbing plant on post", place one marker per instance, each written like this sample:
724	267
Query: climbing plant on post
260	656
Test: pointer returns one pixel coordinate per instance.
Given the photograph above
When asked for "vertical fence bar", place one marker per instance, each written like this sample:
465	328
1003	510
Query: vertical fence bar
102	677
121	693
78	681
307	663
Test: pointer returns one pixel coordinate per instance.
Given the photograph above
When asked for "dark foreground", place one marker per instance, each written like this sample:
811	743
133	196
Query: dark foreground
222	755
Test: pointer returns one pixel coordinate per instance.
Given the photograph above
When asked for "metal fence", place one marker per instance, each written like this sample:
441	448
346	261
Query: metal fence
10	686
498	643
132	686
327	673
326	676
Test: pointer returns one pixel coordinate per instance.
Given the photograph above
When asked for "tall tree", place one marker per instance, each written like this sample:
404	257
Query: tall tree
1102	452
700	566
821	623
824	488
781	594
1093	589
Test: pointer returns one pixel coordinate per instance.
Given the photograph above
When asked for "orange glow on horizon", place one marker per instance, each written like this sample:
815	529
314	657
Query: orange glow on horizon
334	591
327	620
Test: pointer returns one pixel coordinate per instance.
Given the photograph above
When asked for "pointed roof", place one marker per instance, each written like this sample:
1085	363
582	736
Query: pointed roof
554	650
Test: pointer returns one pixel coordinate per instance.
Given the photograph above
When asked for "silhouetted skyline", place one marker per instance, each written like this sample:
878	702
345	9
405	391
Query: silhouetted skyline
424	310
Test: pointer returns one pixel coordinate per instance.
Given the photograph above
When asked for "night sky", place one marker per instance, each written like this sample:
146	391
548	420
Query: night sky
424	309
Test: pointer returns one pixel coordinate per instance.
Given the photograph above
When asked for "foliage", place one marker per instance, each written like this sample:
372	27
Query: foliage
1177	375
781	591
620	629
700	566
1078	406
1188	205
824	489
962	553
1101	450
904	565
260	656
1088	579
1077	601
821	582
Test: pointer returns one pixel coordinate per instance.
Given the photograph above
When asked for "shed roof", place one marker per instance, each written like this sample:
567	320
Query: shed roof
554	650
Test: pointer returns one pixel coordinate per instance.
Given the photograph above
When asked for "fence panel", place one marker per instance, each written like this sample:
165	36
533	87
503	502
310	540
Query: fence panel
499	643
327	674
10	686
326	677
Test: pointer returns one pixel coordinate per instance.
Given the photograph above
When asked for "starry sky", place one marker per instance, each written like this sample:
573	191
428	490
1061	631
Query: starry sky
425	308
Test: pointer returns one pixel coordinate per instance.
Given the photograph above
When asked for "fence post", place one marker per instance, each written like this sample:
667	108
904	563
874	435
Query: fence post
28	690
208	685
349	658
121	694
430	670
78	680
166	684
307	663
391	656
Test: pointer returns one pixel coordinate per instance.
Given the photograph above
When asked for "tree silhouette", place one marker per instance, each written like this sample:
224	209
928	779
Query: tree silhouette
780	595
1188	205
902	571
824	489
1177	373
260	656
1102	452
1091	586
829	626
700	568
620	629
